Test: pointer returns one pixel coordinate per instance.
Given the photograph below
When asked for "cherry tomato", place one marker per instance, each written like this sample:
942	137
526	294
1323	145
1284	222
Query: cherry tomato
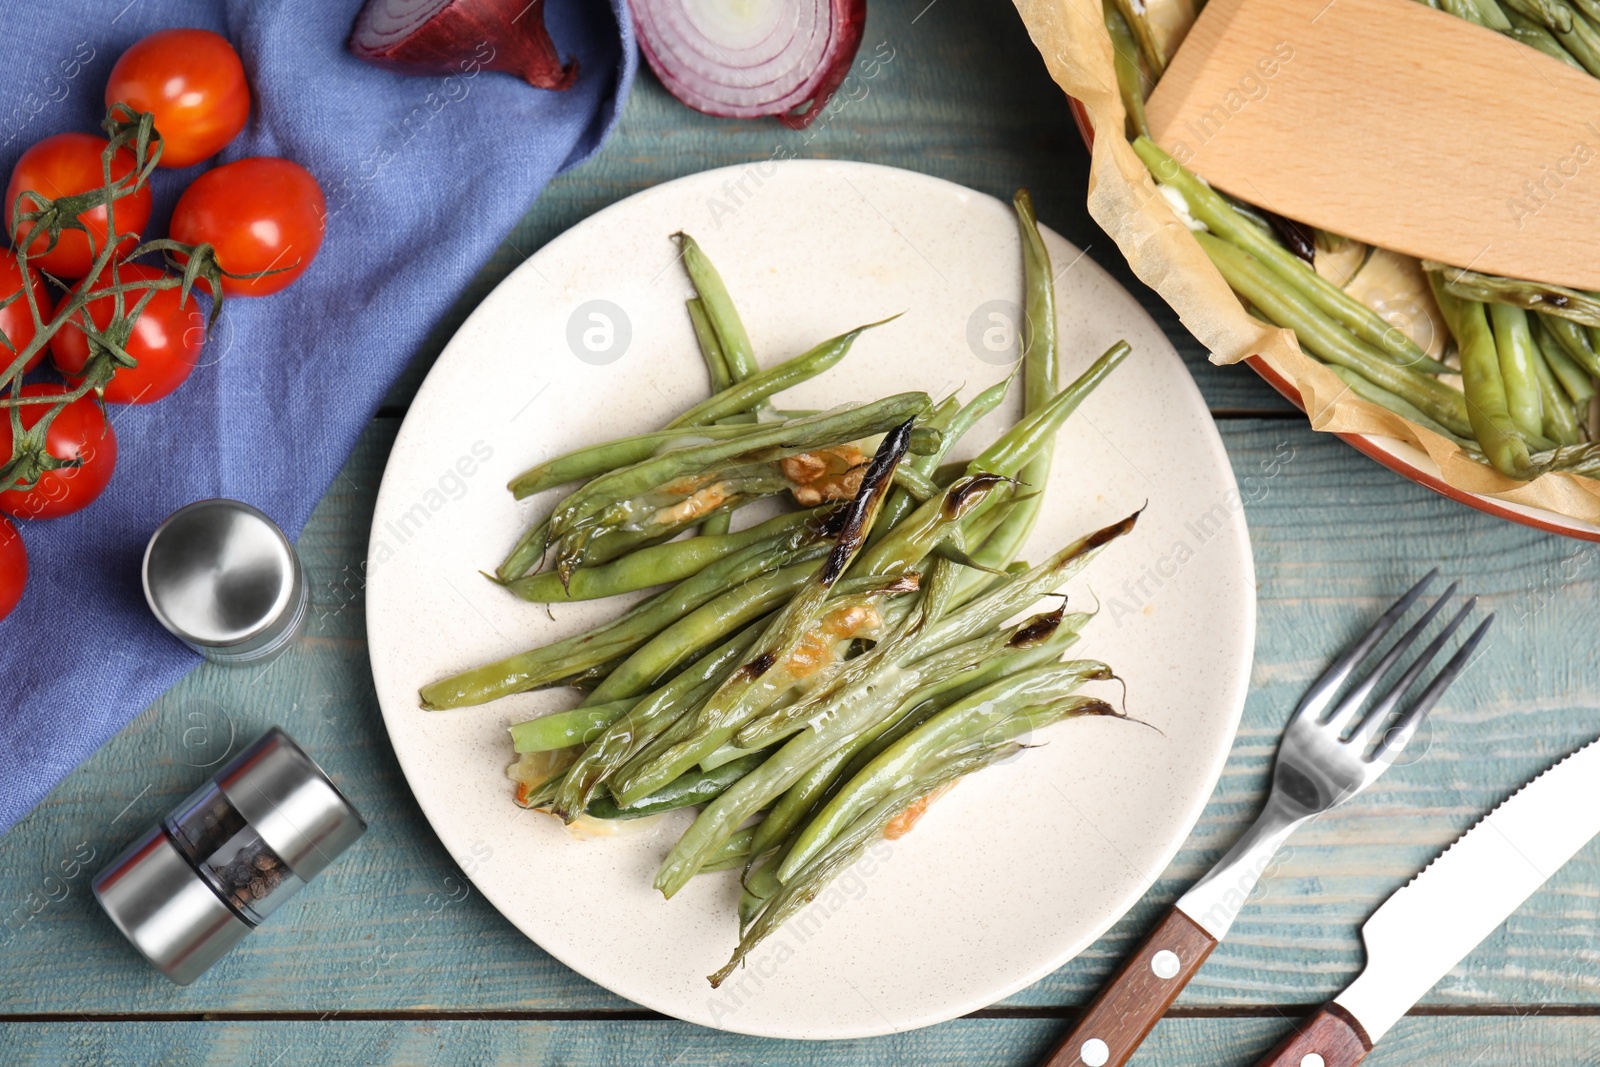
79	430
259	214
13	567
16	320
166	338
64	165
193	83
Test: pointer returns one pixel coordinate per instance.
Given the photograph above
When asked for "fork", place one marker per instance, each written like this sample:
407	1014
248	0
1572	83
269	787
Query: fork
1318	767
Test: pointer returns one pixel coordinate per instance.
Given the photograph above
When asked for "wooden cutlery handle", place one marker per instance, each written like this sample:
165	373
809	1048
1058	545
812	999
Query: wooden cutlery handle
1131	1004
1332	1038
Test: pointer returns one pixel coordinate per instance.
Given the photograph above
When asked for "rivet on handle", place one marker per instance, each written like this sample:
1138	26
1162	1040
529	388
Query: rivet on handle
1165	965
1094	1052
1312	1059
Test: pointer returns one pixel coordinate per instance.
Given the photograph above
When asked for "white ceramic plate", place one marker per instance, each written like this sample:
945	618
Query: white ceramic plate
1022	866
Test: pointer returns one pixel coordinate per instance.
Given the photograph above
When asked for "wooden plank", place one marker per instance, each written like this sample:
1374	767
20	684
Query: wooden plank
392	926
953	89
1491	1042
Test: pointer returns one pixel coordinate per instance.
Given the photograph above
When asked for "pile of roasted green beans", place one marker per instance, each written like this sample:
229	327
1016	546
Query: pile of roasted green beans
1526	354
809	682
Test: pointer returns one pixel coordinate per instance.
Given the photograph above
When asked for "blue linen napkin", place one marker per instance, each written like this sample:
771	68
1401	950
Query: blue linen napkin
424	176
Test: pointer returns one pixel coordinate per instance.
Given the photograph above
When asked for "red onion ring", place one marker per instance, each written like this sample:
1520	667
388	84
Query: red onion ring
748	60
458	36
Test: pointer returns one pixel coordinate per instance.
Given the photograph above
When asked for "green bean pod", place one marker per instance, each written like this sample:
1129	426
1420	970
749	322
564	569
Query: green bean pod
1533	33
972	718
1125	57
525	554
691	788
1484	386
942	682
1513	341
1575	381
1560	422
1397	404
564	729
1040	358
1211	208
735	852
1574	341
1249	277
778	440
1583	41
653	565
848	716
760	562
647	718
746	393
705	336
734	342
801	891
594	460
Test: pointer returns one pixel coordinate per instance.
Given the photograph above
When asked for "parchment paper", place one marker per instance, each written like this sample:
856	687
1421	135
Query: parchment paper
1072	38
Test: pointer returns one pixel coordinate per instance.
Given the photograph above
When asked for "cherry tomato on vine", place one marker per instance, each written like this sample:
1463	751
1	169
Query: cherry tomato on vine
65	165
165	340
79	430
193	83
16	319
259	214
13	567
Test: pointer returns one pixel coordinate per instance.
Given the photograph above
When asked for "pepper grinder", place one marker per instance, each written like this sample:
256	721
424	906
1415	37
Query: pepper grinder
227	857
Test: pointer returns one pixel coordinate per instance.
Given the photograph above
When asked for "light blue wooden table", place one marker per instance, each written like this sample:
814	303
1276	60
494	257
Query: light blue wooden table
392	958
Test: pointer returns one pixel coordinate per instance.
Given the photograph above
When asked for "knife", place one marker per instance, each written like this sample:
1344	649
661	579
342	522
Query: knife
1426	927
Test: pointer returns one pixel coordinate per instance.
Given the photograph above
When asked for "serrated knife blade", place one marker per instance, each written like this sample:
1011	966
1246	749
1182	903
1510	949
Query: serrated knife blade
1442	914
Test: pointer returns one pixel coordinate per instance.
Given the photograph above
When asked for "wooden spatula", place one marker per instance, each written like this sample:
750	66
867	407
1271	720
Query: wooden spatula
1398	125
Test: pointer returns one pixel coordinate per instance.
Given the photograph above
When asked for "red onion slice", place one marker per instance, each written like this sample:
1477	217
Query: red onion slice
750	58
460	36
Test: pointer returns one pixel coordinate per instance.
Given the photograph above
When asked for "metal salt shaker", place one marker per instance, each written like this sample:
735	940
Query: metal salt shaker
224	579
227	857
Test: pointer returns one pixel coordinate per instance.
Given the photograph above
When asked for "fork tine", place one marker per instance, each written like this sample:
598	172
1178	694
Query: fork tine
1397	738
1321	693
1373	720
1347	710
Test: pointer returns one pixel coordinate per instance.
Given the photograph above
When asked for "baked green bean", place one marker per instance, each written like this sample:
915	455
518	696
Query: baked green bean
705	336
1575	381
1554	301
777	664
648	717
754	565
691	788
938	689
1249	277
1125	57
966	720
747	392
854	711
655	564
1534	34
1211	208
1397	404
564	729
1560	423
1574	341
777	440
525	554
1487	409
1513	341
732	339
593	460
1040	359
